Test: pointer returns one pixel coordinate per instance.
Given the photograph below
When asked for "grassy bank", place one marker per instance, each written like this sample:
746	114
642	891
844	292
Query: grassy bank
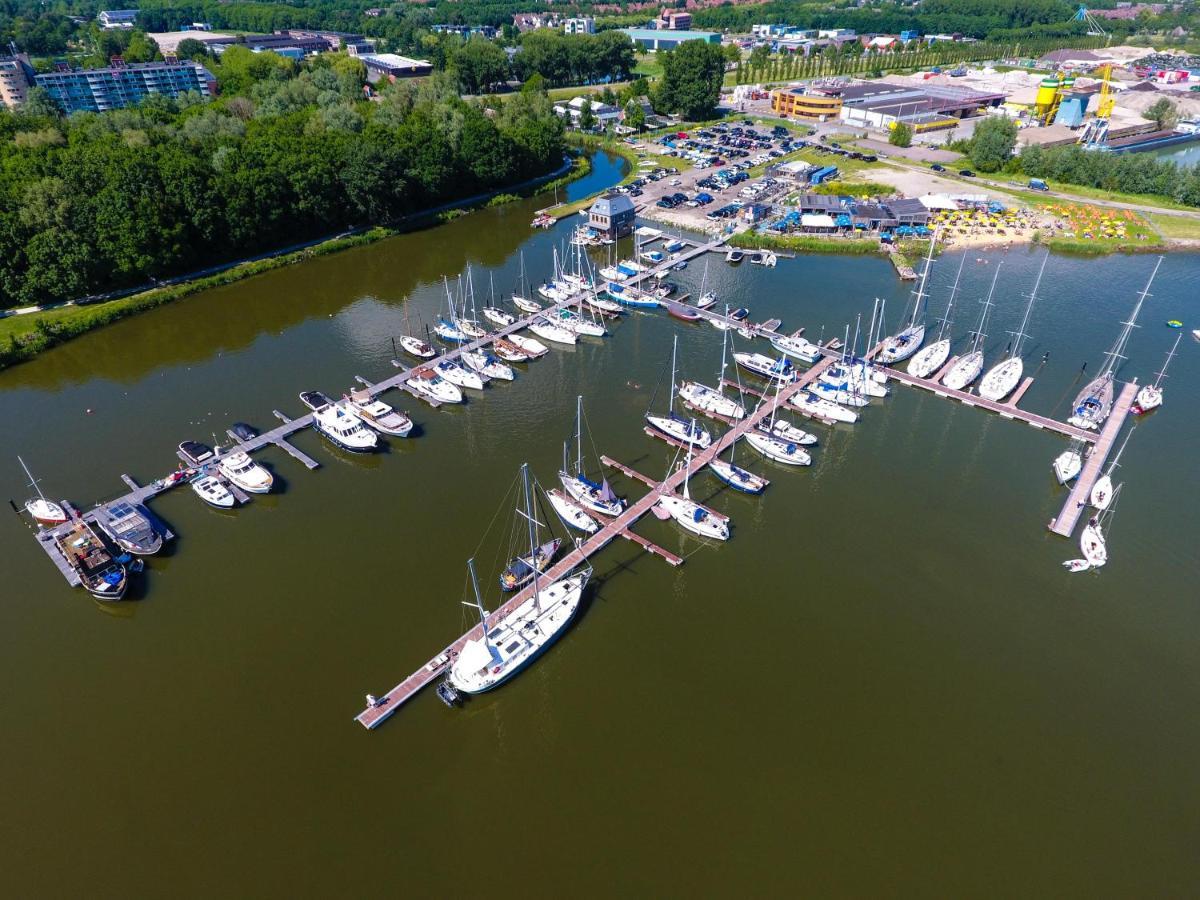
24	337
806	243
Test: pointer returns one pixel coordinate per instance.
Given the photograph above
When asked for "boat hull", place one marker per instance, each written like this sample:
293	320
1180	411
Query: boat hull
929	359
901	346
964	372
1002	379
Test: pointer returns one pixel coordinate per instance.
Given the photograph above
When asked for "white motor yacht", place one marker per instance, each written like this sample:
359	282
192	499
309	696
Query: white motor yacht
487	365
820	408
432	386
555	333
458	374
797	348
212	492
379	415
243	471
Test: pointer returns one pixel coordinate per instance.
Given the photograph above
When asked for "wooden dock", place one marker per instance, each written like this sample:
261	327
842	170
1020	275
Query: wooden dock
1064	523
374	716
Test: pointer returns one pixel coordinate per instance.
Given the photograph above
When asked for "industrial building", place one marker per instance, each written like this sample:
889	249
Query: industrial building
656	39
391	67
799	104
120	84
925	108
116	18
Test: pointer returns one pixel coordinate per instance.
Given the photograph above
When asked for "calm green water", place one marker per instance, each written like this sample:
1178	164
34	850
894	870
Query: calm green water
1185	155
883	685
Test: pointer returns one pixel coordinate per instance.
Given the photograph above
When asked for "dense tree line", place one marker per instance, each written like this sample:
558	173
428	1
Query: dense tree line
94	202
563	59
1131	173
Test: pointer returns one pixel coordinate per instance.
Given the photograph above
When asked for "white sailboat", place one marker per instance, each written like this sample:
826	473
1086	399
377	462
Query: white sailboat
413	345
969	366
1093	543
1068	464
448	328
1002	379
493	313
1102	490
458	374
773	446
686	431
571	513
594	497
581	325
908	340
44	512
1093	404
850	374
691	515
929	360
1151	396
820	408
487	365
556	334
432	386
520	296
711	401
506	647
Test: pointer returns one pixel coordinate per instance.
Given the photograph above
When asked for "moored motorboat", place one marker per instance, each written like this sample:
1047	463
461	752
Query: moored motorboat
83	550
432	386
786	431
682	312
797	347
458	374
417	347
708	400
379	415
509	352
338	423
209	489
239	468
498	316
772	369
195	453
129	528
531	347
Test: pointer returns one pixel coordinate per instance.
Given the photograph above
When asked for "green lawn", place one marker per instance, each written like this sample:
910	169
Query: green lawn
16	326
1178	227
648	66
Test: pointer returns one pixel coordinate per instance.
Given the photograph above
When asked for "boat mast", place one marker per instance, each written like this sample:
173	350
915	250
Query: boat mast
579	434
987	304
1020	334
920	295
871	329
724	340
533	558
671	396
478	602
687	466
1111	360
950	304
1163	372
33	482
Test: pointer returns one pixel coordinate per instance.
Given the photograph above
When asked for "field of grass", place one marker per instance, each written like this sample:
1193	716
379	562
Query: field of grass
809	243
854	189
566	93
1090	193
1175	227
648	66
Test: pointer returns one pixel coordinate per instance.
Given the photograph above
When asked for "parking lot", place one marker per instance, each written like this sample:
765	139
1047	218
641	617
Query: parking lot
710	194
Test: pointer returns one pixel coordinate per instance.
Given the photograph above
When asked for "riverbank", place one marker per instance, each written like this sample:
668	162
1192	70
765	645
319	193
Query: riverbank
24	336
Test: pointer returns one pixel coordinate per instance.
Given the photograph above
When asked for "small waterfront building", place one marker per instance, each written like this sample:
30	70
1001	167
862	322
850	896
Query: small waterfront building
908	211
612	215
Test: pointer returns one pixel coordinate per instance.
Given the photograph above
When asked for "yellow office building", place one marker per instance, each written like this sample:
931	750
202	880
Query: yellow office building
795	103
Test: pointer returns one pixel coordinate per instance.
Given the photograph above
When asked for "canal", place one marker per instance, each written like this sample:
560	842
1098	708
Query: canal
883	684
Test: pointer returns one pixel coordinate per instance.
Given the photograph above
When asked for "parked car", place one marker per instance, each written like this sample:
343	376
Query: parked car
966	173
1036	184
938	168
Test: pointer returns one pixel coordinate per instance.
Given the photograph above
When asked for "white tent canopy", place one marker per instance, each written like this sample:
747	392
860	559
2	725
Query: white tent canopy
938	201
815	220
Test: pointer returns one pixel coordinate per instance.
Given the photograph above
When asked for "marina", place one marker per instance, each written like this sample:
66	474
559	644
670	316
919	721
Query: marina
851	660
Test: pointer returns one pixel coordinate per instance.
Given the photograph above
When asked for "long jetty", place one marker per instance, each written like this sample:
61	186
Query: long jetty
375	715
138	494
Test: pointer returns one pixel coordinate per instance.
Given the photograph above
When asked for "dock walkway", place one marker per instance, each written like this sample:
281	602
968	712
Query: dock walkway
374	716
1081	494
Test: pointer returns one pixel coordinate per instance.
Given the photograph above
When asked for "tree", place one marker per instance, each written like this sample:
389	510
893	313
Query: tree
901	135
190	48
479	64
1163	114
993	142
691	80
760	55
635	116
586	119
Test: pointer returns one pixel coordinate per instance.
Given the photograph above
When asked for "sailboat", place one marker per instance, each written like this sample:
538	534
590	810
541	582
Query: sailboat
735	476
709	400
1003	378
413	345
573	321
519	572
1068	464
1092	541
468	326
674	426
850	374
487	365
1102	490
520	299
458	374
557	334
571	513
447	328
820	408
908	340
593	497
968	366
1151	396
707	298
691	515
492	312
509	352
1094	402
506	647
929	359
44	512
772	446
